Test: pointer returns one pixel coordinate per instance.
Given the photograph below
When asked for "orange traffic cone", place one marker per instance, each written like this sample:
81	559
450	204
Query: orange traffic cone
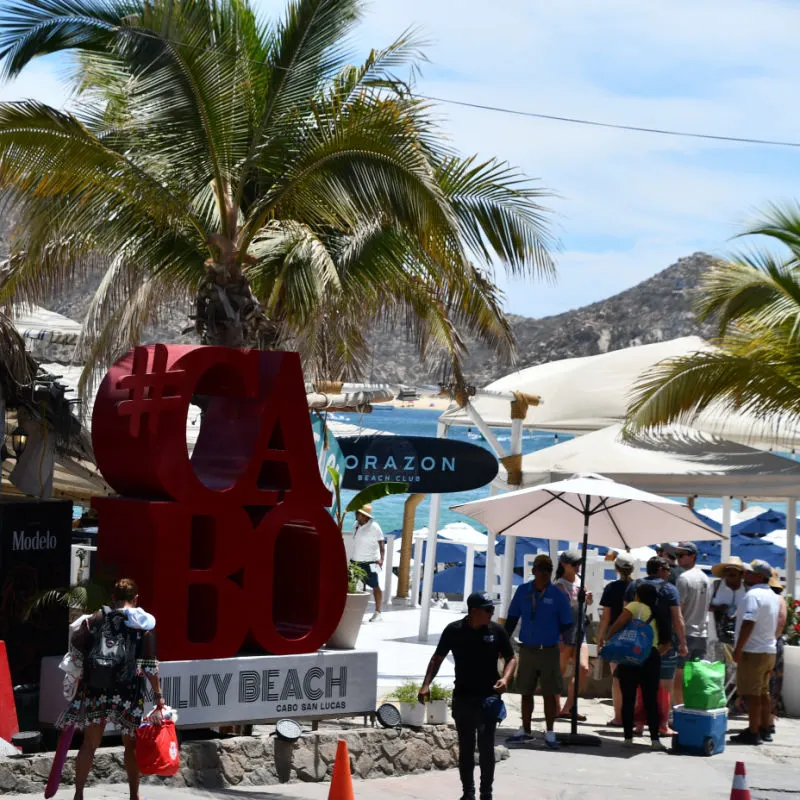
740	790
8	710
342	781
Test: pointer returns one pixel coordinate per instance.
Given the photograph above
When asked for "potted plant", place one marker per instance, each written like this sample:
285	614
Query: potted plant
412	712
437	705
791	658
346	634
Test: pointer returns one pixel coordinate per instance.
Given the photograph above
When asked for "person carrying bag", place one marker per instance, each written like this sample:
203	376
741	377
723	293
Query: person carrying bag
635	642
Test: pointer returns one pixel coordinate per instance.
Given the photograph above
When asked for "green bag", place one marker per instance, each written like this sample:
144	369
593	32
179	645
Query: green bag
704	685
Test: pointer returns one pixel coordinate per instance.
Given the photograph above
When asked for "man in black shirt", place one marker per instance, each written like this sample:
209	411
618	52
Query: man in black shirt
476	643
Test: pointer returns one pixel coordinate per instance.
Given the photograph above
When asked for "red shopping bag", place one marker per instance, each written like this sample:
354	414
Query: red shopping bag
157	749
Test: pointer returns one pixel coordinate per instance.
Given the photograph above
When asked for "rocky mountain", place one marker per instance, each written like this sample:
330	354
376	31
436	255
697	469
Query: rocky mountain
657	309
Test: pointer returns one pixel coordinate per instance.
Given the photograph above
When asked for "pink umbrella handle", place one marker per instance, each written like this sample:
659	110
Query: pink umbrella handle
64	741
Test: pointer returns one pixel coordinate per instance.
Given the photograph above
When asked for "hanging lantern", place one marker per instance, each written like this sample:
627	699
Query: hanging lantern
19	441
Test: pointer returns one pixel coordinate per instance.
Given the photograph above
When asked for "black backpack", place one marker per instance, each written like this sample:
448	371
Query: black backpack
115	647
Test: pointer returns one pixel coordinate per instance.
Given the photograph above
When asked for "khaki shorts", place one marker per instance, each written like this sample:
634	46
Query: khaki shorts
539	667
753	672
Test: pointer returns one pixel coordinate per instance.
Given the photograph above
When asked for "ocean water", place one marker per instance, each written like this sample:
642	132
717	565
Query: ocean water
422	422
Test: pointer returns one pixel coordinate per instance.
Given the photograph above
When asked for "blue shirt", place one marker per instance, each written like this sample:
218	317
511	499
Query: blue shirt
665	589
553	611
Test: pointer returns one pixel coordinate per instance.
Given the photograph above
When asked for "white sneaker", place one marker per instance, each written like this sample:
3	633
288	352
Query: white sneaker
376	617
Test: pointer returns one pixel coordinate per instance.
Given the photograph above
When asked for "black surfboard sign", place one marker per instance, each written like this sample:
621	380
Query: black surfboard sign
427	464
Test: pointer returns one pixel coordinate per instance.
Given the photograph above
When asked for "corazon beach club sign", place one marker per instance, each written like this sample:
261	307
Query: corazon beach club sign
428	465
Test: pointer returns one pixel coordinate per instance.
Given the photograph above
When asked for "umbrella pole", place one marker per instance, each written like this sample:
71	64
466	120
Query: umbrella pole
581	618
573	737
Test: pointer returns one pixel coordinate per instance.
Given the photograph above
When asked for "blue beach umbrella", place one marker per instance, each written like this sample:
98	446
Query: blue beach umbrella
451	581
766	522
449	553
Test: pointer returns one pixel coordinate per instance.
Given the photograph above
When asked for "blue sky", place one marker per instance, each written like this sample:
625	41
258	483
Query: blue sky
628	204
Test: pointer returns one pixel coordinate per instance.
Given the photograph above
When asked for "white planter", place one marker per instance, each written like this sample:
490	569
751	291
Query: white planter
346	634
791	680
412	714
436	712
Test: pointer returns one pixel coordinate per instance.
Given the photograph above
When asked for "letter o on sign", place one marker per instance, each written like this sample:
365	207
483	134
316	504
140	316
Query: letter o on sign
427	463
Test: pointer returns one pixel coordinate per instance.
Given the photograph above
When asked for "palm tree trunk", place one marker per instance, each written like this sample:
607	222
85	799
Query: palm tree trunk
226	311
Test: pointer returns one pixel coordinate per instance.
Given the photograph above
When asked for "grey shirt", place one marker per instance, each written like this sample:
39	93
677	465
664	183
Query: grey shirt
693	588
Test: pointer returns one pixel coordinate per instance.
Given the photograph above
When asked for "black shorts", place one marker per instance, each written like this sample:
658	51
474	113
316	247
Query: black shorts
371	579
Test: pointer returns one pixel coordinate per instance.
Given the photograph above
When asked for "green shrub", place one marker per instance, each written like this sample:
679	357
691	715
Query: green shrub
407	692
439	692
355	575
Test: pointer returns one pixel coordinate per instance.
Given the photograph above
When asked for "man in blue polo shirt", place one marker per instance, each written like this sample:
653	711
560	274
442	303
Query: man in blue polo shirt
545	612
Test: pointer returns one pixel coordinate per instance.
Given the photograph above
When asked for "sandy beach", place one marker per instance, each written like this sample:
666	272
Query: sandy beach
432	402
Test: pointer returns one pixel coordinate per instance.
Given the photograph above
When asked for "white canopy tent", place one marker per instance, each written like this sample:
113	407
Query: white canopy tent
38	324
581	395
678	461
587	394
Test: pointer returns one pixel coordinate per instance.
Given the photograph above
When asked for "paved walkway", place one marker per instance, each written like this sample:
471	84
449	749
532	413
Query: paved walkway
609	772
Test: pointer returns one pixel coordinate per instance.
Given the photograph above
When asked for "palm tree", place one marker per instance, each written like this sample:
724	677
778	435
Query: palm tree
247	165
755	367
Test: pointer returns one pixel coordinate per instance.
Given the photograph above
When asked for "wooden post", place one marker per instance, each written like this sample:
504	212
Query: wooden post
407	543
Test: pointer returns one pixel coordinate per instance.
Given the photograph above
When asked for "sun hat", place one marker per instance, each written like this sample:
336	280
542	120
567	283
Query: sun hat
687	547
624	562
366	510
479	600
734	562
570	557
775	581
760	567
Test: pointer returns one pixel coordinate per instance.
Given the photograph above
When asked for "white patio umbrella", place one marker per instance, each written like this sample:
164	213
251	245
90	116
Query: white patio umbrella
612	514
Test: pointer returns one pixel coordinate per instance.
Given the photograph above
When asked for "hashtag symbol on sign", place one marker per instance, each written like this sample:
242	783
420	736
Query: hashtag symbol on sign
147	389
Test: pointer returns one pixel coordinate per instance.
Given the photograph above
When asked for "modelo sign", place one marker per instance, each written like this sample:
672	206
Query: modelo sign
427	464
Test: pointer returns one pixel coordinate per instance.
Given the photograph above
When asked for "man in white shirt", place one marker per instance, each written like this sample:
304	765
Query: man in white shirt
726	595
754	653
368	551
692	585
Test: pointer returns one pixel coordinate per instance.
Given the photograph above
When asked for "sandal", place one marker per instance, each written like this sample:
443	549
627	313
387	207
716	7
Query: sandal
568	715
612	723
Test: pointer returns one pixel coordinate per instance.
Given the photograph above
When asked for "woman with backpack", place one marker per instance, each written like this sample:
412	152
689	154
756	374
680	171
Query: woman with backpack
612	602
118	643
647	674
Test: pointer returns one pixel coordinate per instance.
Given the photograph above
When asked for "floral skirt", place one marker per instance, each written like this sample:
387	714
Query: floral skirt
120	706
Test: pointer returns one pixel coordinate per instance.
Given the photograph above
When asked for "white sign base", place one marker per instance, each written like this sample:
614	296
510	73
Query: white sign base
249	689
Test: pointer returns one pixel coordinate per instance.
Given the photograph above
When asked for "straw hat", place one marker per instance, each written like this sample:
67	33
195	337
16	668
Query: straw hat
775	581
734	562
366	510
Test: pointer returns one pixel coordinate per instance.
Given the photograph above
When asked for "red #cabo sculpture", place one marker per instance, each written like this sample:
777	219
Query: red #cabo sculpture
232	548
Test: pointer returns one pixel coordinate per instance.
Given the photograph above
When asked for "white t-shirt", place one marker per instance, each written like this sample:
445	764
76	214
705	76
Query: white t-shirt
725	596
762	606
365	542
692	587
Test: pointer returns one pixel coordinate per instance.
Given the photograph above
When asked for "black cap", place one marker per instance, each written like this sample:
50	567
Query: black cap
479	600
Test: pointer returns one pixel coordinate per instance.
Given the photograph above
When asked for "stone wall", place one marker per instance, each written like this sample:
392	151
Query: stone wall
264	760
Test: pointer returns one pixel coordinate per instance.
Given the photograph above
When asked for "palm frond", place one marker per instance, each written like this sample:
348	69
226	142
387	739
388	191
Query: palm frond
678	390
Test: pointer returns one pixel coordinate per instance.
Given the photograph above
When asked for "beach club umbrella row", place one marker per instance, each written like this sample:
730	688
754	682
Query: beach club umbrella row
608	513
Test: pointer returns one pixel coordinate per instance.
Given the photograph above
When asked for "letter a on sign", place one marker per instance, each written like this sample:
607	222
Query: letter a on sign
230	524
